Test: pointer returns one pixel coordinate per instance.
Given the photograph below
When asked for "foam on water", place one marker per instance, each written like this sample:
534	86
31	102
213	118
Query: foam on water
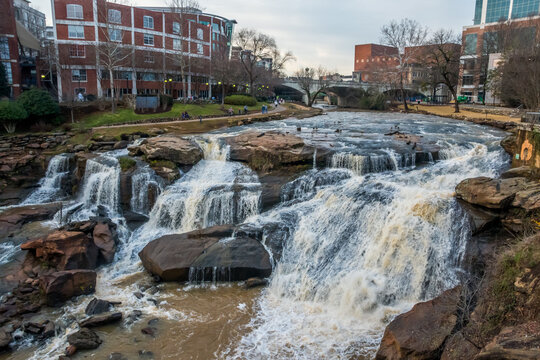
50	187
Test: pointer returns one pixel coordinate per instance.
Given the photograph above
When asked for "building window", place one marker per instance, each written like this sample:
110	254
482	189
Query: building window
4	48
200	49
471	40
200	34
478	12
215	28
115	35
176	28
77	51
78	75
525	8
497	10
115	16
74	11
148	39
9	75
149	58
148	22
75	32
490	42
468	80
205	23
177	44
146	76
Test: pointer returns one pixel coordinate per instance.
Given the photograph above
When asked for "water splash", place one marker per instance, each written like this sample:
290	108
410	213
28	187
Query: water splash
50	187
144	184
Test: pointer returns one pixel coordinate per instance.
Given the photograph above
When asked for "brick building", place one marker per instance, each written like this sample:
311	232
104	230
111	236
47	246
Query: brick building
19	47
370	58
482	43
151	46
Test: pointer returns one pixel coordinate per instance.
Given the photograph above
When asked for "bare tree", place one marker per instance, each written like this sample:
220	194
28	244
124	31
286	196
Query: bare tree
182	59
517	78
225	71
112	52
442	57
312	81
256	48
406	36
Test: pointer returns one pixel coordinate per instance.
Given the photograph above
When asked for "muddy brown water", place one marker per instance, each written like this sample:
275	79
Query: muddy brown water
212	319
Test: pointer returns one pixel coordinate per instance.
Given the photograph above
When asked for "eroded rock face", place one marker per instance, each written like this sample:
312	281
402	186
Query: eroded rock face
269	150
238	259
517	342
62	286
421	332
176	149
171	256
105	241
65	250
13	219
490	193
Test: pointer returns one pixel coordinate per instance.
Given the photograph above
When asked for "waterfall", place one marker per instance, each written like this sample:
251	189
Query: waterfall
144	183
360	251
99	192
50	187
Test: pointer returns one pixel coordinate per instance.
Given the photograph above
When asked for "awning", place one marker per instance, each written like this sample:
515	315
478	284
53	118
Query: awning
26	38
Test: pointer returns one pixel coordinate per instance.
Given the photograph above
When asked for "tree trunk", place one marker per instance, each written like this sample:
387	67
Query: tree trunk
251	89
456	103
403	94
222	94
184	90
111	84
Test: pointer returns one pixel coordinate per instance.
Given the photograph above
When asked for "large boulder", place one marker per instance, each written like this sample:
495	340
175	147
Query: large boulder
521	342
176	149
84	339
105	241
235	259
101	320
65	250
14	218
170	257
269	150
62	286
421	332
490	193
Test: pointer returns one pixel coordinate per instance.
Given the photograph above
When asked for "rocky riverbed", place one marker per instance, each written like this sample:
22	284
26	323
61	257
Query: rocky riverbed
159	245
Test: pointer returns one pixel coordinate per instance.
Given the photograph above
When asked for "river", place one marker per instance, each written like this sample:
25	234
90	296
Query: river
361	240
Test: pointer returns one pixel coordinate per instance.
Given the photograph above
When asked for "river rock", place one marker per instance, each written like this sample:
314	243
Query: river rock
521	342
97	306
237	259
13	219
523	172
269	150
490	193
170	257
61	286
101	320
5	340
421	332
176	149
84	339
65	250
105	241
255	282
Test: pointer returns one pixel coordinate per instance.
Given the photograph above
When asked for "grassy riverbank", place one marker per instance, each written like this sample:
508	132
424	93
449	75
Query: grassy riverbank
123	115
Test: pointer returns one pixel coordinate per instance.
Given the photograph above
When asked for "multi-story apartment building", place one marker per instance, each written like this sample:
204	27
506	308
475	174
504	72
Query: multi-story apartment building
19	44
482	46
146	49
370	58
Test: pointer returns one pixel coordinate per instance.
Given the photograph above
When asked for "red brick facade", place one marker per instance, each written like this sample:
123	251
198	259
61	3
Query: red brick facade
370	56
153	39
10	55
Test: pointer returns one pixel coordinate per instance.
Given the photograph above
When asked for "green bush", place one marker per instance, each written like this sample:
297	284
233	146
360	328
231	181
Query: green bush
241	100
373	102
11	113
38	103
126	163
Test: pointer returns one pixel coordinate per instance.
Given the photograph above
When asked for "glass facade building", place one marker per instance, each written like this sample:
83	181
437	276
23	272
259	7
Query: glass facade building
491	11
525	8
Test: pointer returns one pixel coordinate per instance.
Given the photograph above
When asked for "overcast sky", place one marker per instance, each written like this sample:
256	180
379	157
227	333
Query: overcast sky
322	31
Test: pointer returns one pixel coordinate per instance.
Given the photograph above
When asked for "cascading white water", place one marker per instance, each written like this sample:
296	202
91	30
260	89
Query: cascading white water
143	181
359	252
100	190
374	163
50	187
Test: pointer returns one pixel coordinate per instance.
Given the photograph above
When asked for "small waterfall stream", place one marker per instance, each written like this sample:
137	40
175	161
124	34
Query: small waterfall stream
50	187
